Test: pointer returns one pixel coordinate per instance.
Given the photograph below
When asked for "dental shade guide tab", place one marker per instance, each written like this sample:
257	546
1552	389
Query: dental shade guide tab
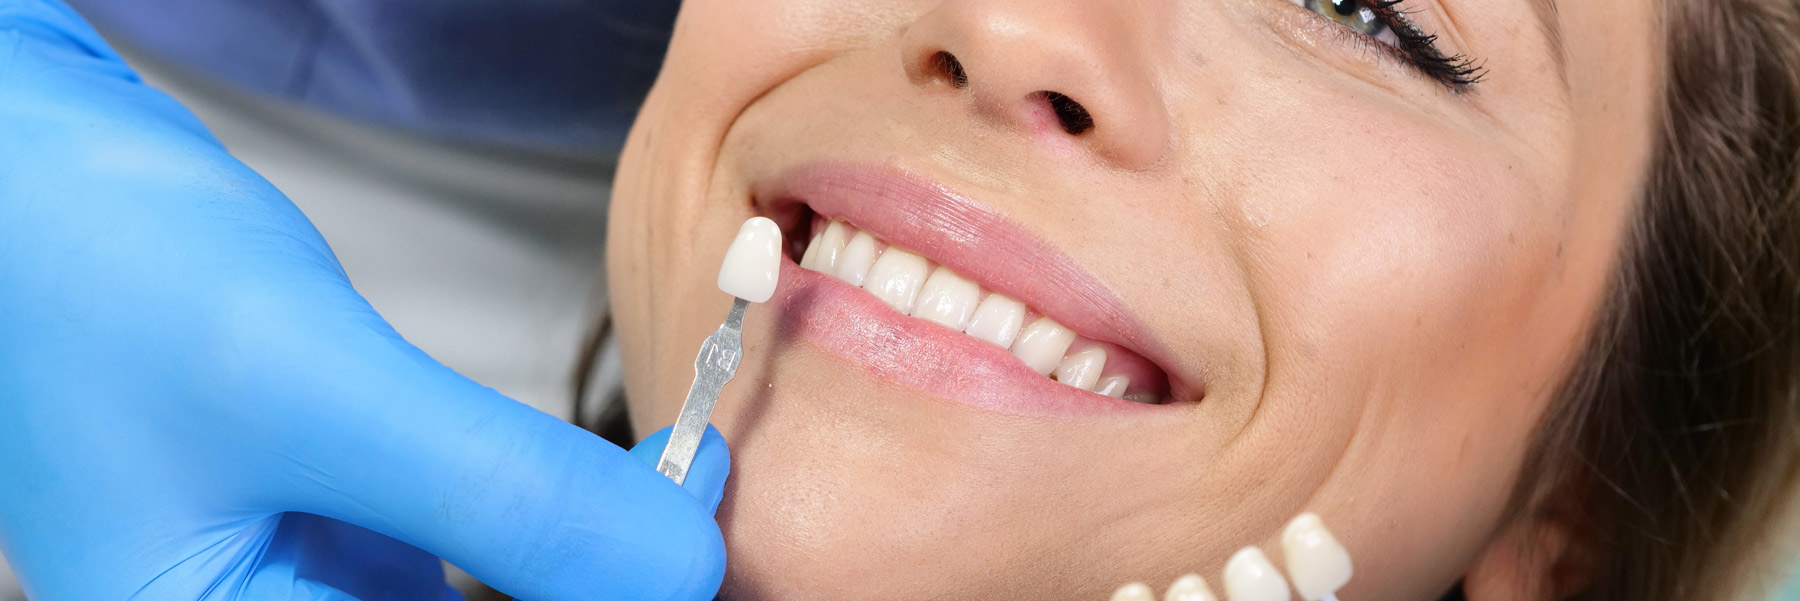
748	273
1250	577
1135	591
1317	564
1189	588
753	261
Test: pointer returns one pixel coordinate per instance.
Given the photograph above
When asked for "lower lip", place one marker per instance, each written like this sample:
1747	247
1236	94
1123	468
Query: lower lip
921	355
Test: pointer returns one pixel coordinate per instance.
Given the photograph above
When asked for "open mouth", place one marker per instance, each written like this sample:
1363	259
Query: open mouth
978	302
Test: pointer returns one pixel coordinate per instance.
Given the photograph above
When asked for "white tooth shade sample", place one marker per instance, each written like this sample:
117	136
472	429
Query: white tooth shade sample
1317	564
753	261
896	278
1042	344
997	320
1250	577
858	256
1082	369
947	299
1113	386
1136	591
1189	588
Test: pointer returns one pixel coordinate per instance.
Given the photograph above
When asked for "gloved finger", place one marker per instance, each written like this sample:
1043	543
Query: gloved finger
56	63
313	557
706	477
241	357
375	433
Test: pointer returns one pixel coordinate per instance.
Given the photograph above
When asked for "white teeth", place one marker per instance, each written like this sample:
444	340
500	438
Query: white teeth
1316	562
947	299
911	284
997	320
1113	386
1082	369
1136	591
896	278
1189	588
1250	577
858	256
810	259
831	248
1042	344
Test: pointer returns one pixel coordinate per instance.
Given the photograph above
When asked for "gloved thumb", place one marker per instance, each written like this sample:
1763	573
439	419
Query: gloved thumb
706	477
535	507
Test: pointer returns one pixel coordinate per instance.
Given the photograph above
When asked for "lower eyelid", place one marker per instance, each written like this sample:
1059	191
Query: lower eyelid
1345	41
1370	58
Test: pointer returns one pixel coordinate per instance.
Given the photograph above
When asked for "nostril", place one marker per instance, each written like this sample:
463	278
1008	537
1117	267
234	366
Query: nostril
945	66
1073	117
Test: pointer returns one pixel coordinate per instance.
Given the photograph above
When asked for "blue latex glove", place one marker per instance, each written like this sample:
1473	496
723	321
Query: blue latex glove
195	404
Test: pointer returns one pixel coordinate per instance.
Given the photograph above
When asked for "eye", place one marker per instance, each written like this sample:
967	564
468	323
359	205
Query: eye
1358	15
1385	23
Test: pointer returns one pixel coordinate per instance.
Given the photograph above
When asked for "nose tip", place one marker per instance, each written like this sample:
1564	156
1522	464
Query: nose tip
1050	70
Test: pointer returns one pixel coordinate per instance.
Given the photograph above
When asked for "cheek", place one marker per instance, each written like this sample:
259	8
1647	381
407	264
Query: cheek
1417	313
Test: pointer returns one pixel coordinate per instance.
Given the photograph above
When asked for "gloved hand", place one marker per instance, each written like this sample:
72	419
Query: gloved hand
195	404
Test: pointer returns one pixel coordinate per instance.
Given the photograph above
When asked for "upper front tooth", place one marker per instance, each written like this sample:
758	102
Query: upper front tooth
1082	369
831	247
858	256
1042	344
1316	562
1250	577
1136	591
997	320
896	278
947	299
810	259
1189	588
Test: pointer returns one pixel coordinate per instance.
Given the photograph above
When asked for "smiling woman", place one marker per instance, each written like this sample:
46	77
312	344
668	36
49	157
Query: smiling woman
1083	293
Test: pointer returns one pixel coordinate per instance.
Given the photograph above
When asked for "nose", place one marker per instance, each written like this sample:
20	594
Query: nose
1052	69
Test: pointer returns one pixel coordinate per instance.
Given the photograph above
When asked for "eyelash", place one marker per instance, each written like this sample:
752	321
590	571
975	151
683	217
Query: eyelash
1416	48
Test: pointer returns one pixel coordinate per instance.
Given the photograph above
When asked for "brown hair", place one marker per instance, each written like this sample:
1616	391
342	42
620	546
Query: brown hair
1675	449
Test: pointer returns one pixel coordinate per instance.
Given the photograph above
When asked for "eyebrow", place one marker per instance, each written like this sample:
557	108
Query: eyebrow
1551	26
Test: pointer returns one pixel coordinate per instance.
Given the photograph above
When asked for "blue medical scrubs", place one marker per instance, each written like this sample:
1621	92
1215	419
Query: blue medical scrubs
558	74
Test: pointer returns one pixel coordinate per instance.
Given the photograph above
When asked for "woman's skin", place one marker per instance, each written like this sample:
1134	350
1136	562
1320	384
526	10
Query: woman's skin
1370	287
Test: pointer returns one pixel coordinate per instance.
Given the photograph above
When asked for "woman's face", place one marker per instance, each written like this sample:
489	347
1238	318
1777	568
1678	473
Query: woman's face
1352	287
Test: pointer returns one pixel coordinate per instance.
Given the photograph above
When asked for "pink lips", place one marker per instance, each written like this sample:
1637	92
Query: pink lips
970	239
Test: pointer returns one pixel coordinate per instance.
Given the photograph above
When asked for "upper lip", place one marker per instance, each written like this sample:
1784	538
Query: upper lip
955	231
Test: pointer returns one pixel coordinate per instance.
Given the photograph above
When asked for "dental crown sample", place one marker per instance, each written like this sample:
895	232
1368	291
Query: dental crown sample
1250	577
753	261
1136	591
1189	588
1316	563
913	284
751	266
